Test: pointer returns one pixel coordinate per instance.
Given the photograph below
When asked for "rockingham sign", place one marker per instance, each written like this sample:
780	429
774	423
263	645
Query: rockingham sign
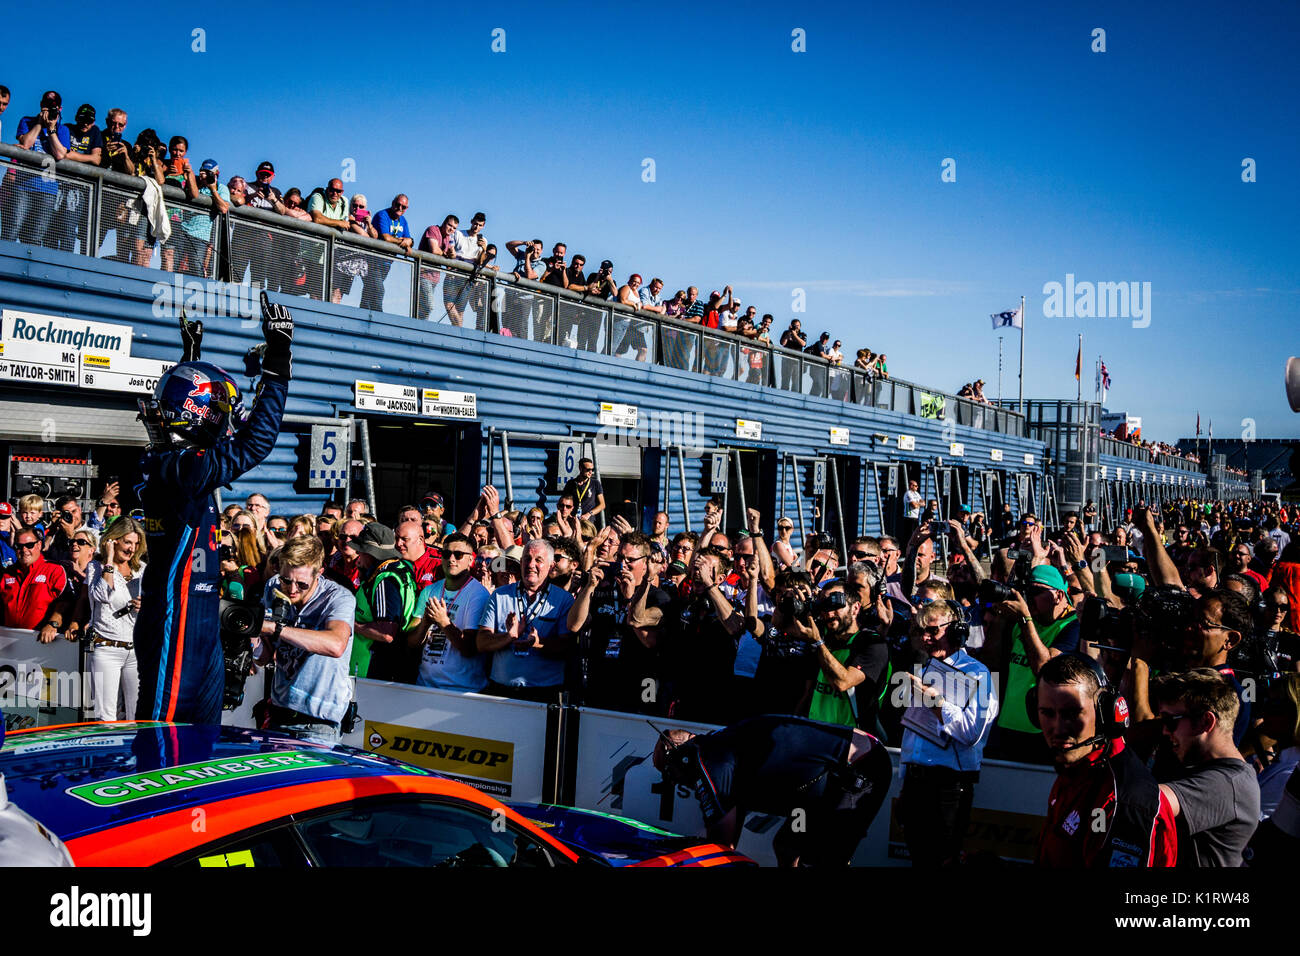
57	350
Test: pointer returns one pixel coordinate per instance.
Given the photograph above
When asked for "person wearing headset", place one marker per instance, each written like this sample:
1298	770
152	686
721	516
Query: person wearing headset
1105	808
951	705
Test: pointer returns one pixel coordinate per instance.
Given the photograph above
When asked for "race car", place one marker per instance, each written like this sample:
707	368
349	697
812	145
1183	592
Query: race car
141	793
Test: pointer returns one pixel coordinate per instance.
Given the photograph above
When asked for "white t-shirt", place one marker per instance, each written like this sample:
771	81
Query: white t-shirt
912	501
441	665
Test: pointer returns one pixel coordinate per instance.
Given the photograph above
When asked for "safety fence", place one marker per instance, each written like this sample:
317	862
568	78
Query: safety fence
101	213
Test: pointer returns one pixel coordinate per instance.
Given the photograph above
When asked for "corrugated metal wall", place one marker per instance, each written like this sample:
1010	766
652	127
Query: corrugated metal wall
521	386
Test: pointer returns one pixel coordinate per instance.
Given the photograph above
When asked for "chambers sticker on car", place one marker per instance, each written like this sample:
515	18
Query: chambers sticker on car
141	786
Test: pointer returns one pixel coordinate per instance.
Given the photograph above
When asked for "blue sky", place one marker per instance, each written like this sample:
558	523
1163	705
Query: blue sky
777	170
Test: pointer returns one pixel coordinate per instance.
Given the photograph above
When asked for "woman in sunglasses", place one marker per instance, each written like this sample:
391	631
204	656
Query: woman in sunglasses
783	548
113	596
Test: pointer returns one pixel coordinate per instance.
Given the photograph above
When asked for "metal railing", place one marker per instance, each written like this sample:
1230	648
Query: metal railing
64	205
1123	449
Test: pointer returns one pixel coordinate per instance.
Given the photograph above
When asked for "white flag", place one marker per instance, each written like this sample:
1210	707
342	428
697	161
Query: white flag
1015	319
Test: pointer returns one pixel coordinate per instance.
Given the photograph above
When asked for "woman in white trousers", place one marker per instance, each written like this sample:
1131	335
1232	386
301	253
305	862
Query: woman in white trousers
113	586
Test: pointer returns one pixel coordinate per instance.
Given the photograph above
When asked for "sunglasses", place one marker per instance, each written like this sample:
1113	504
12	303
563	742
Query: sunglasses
934	630
81	543
1170	721
863	554
449	554
26	545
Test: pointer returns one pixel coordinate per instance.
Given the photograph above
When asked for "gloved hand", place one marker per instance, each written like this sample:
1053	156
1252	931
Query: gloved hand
191	338
277	330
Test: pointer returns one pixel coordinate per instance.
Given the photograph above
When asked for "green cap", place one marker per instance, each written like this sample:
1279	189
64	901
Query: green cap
1130	586
1048	577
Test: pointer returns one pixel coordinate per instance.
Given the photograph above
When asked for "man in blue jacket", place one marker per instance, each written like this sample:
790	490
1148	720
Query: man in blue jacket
194	450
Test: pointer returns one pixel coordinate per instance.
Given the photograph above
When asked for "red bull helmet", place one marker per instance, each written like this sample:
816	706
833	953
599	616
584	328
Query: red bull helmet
195	403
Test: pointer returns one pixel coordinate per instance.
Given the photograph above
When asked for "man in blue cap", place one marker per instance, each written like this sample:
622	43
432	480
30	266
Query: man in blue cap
1044	626
200	228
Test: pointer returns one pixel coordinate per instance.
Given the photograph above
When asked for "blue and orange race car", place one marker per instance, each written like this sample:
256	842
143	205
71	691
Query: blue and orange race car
145	794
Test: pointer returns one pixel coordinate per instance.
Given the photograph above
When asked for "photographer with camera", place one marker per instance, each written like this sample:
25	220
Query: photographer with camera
308	631
943	742
194	449
35	194
828	780
1098	777
1033	628
853	663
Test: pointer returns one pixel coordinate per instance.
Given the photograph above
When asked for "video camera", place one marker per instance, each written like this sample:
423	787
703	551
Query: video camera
241	621
792	605
995	592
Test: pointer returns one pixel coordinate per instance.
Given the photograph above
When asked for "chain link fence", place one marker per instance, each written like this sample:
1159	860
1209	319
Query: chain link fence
449	297
45	208
814	379
719	358
370	280
787	374
277	260
634	339
583	326
680	347
526	314
752	365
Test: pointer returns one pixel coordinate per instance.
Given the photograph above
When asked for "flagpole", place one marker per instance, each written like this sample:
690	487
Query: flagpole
1022	355
999	370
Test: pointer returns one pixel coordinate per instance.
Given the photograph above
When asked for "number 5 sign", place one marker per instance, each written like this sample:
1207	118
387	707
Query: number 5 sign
331	456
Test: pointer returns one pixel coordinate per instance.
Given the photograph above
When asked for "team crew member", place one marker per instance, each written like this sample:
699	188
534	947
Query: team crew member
941	766
31	587
194	451
526	629
386	607
625	623
586	490
446	633
1083	721
311	643
837	776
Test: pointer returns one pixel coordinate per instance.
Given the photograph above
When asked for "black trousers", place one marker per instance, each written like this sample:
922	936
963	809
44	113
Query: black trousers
934	812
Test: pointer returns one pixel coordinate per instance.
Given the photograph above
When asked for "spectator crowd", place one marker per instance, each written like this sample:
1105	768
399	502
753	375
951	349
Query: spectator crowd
724	623
42	211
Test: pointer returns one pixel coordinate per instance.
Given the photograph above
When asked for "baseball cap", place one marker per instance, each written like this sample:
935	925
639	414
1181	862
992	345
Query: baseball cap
265	165
1130	586
1047	576
6	510
606	264
376	540
51	98
85	112
965	509
433	501
209	165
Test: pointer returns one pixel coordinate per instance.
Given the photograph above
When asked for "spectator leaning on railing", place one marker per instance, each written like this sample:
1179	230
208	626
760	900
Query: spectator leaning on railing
35	194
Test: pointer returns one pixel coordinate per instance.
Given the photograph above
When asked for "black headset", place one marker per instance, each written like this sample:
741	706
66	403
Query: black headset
1111	707
959	626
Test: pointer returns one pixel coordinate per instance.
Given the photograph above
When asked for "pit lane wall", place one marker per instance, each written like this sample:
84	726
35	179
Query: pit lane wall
600	760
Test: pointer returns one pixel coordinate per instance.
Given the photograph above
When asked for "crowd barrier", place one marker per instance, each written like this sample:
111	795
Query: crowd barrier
42	684
535	753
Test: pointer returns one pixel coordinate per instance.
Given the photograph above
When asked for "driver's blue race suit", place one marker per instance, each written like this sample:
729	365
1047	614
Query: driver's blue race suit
177	637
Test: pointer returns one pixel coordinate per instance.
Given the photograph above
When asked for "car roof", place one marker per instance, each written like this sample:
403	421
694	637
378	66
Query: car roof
80	779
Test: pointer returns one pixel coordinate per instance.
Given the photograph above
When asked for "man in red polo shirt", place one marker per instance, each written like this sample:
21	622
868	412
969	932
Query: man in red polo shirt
1105	809
30	585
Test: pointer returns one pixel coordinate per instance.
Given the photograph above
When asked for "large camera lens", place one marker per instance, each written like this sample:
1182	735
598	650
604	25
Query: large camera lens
994	592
